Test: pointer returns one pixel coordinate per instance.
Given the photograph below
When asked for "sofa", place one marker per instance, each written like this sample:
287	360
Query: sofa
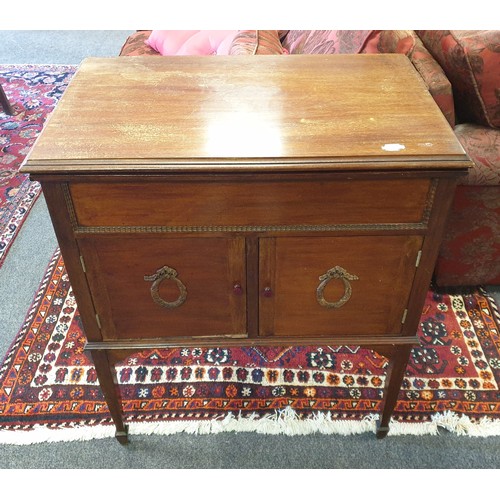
461	70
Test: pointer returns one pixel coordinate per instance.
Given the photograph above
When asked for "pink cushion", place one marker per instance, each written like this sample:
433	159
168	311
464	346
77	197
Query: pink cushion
191	42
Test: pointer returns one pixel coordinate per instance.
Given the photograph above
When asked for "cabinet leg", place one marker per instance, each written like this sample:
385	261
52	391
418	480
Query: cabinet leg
4	103
395	373
109	387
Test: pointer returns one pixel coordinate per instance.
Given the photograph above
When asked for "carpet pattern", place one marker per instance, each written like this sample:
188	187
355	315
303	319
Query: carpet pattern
49	389
33	90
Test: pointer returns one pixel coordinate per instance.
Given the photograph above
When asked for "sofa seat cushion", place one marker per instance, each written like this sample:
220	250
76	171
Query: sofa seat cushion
470	252
471	60
256	42
135	45
325	41
483	147
191	42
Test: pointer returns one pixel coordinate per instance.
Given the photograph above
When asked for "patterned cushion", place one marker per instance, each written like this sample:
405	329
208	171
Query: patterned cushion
135	45
325	41
483	146
251	42
390	42
408	43
471	60
470	252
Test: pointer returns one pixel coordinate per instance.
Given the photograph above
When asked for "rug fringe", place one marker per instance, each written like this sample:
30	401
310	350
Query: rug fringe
461	425
283	422
464	426
43	434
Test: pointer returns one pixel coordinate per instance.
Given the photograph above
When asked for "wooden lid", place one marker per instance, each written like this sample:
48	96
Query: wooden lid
245	112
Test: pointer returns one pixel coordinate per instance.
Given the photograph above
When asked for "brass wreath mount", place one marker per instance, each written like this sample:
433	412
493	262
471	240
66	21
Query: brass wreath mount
336	272
171	274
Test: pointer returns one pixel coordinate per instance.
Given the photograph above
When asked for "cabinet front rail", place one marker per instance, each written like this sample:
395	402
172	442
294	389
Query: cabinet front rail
243	340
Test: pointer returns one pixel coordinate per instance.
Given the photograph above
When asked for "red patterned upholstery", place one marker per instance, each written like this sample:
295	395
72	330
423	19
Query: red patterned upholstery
471	60
470	253
325	41
483	146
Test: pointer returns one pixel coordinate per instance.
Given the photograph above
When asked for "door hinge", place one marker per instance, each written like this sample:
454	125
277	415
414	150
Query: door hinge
98	321
403	319
82	262
419	256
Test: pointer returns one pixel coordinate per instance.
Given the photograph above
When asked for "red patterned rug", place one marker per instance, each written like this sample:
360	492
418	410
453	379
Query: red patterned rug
49	392
33	90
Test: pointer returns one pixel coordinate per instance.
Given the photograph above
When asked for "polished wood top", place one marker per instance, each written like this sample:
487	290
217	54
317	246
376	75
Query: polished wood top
133	114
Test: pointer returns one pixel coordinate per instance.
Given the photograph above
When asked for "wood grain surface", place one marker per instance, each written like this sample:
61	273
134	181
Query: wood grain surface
145	112
250	202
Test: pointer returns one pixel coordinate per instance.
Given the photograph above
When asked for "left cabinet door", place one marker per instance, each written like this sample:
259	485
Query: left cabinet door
146	286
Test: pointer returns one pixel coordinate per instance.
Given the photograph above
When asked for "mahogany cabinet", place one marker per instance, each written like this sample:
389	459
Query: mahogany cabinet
248	200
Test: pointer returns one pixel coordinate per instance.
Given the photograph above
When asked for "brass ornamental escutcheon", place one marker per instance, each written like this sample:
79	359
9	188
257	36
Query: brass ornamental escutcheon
336	272
171	274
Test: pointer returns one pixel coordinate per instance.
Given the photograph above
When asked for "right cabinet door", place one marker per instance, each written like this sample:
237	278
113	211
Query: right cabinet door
326	286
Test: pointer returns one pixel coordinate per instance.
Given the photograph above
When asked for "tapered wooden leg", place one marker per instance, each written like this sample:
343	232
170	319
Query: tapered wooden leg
109	387
395	373
4	102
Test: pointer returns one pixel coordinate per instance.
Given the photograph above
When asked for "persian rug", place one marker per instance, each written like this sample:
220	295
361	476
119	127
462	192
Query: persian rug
49	390
33	90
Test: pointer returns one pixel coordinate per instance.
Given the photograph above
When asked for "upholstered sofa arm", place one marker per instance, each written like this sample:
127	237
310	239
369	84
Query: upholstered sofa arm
434	77
135	45
483	146
408	43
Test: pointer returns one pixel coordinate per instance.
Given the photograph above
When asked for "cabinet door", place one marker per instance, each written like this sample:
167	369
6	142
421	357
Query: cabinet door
322	286
156	287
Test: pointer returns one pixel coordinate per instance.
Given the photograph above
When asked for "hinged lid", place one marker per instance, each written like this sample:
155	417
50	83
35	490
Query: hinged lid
245	112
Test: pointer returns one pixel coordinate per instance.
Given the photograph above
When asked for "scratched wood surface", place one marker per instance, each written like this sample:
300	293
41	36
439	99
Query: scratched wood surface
145	113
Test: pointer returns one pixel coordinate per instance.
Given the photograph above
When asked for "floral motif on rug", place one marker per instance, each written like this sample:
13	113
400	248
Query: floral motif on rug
48	382
33	90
